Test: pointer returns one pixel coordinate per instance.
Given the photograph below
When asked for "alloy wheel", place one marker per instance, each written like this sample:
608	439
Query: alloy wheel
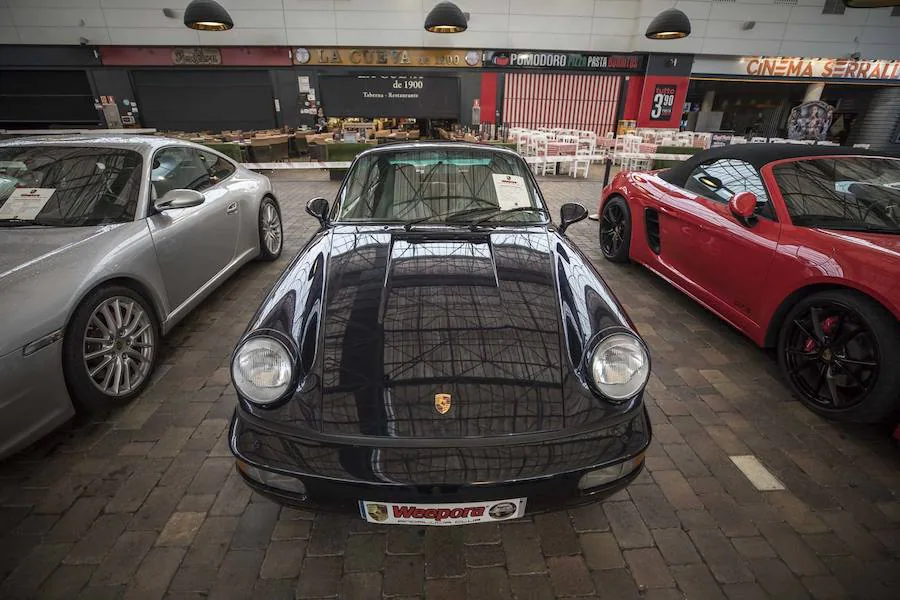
612	229
271	225
831	356
118	346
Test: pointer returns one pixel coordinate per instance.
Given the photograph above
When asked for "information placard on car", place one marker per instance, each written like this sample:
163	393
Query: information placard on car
372	96
25	203
463	513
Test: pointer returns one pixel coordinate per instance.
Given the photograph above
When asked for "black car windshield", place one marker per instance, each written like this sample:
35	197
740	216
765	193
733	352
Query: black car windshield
852	193
68	186
440	185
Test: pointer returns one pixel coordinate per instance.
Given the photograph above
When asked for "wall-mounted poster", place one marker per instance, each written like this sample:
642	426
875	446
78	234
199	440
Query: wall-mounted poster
662	102
810	121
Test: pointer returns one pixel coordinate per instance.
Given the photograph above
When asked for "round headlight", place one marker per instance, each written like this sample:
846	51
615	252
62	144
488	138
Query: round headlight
620	366
262	369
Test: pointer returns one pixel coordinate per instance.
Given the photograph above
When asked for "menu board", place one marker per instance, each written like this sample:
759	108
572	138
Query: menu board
390	96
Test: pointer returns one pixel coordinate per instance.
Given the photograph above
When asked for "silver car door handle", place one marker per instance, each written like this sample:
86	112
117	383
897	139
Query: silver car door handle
232	208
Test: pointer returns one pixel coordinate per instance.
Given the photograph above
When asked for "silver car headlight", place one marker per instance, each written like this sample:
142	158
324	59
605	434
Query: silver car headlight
619	366
262	369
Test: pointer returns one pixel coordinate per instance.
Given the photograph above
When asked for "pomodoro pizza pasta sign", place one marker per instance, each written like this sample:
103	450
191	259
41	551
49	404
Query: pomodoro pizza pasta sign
563	61
801	68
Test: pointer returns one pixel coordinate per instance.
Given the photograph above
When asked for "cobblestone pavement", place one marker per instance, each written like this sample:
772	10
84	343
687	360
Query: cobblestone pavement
145	503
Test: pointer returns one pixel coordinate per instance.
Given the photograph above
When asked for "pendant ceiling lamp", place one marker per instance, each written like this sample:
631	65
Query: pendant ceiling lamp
207	15
670	24
446	17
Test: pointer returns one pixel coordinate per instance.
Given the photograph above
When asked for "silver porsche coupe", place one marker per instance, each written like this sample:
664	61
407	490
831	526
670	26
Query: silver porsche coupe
105	244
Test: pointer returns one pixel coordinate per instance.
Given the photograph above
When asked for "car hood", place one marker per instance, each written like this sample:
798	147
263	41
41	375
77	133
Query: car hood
442	335
20	247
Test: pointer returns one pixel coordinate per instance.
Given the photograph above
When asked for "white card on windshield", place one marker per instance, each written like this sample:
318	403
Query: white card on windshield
25	203
511	191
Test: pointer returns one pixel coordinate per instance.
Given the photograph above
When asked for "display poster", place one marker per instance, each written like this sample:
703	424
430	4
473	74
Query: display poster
511	191
390	96
303	84
719	140
25	203
662	102
810	121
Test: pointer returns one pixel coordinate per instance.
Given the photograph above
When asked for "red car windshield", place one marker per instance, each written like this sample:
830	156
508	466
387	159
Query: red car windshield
853	193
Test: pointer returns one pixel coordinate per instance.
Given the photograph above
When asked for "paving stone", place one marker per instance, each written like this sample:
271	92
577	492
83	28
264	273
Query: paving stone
523	549
570	576
648	568
329	535
37	524
98	540
696	582
488	584
283	589
283	560
123	559
601	551
744	591
753	547
616	584
40	563
255	526
482	533
405	540
677	490
792	550
133	493
859	542
527	587
824	587
195	503
365	552
777	579
675	546
557	534
196	579
237	574
154	574
181	529
826	544
65	582
729	516
233	497
294	529
720	556
156	510
361	586
654	508
210	476
589	517
444	552
403	575
77	520
485	555
627	525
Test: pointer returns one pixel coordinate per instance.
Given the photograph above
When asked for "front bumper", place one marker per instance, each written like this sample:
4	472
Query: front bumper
336	476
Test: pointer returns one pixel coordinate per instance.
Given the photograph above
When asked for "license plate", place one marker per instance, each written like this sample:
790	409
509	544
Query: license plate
462	513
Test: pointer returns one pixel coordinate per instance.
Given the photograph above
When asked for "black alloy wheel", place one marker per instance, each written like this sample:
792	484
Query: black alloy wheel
615	230
833	349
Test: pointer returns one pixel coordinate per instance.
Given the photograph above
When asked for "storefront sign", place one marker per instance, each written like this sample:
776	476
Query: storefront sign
387	57
390	96
564	61
801	68
196	56
662	102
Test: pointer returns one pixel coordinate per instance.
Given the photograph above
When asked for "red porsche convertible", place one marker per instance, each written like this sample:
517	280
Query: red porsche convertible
797	246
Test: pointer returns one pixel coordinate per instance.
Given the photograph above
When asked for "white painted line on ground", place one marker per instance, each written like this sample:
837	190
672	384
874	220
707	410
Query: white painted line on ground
761	478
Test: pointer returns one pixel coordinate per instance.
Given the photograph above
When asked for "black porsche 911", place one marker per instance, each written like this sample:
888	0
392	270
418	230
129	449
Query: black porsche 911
439	353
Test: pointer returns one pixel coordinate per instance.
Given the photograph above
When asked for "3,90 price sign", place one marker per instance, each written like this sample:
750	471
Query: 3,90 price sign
663	102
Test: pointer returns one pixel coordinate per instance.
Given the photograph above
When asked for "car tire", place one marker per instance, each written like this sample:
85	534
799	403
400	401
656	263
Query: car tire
271	233
846	358
93	349
615	230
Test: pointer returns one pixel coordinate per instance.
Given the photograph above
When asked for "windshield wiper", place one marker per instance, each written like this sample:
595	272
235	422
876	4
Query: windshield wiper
17	222
504	212
453	215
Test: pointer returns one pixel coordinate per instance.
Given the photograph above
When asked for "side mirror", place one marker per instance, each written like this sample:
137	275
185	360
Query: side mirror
318	207
178	199
571	212
743	206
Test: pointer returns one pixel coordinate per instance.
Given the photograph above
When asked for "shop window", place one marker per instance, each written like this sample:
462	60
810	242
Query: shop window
721	179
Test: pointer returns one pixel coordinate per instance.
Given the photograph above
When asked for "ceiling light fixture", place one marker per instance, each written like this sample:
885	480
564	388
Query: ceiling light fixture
670	24
207	15
446	17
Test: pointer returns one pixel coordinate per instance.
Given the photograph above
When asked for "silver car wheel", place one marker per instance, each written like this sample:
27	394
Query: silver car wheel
118	346
271	226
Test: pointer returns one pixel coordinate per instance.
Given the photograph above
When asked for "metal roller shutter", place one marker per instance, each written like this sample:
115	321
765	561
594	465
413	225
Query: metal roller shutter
33	98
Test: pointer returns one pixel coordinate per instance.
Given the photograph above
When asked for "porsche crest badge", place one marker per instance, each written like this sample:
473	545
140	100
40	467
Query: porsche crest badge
442	403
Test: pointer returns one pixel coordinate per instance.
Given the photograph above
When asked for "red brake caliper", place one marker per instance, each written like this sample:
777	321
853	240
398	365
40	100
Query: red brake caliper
828	326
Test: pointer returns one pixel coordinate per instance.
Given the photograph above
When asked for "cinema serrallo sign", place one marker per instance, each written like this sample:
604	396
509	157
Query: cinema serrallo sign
387	57
802	68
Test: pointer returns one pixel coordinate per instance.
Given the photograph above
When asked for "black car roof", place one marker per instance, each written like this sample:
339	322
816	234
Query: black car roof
759	155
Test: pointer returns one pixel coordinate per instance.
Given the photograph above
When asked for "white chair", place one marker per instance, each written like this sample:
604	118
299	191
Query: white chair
539	147
738	139
776	140
827	143
864	146
757	140
582	160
